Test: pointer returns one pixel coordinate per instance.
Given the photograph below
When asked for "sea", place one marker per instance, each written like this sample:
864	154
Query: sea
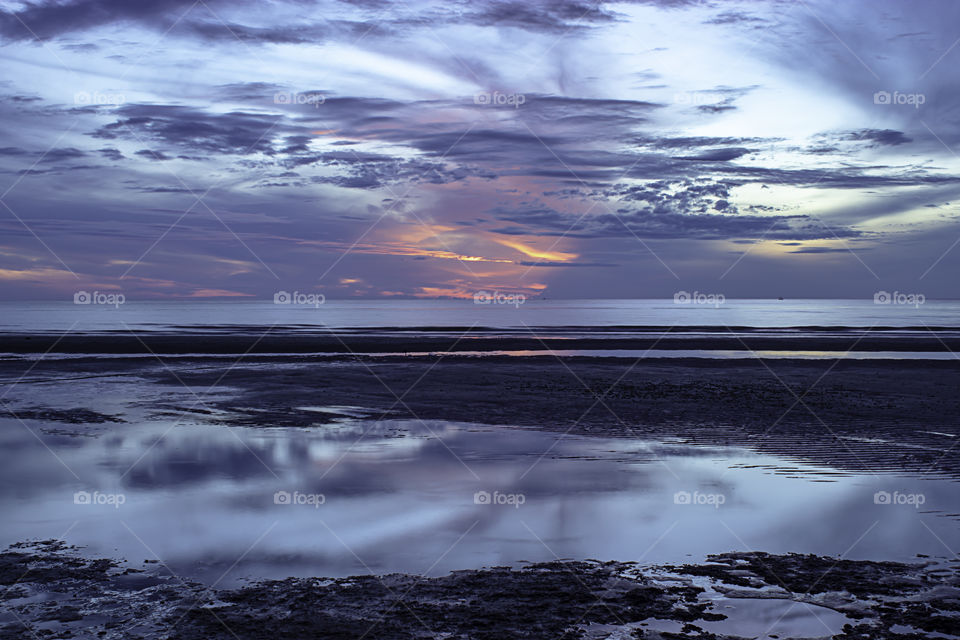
894	310
891	315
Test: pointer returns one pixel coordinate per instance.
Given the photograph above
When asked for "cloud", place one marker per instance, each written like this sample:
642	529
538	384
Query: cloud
111	153
540	254
61	154
149	154
718	155
663	221
598	151
827	249
193	129
45	20
880	136
551	16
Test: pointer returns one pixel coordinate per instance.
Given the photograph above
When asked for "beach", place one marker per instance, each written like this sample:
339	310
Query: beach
485	320
351	469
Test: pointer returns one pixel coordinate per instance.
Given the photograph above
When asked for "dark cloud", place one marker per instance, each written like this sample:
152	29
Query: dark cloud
152	155
555	16
162	189
718	155
650	224
827	249
45	20
110	153
699	141
739	18
61	154
369	171
717	108
193	129
80	47
880	136
324	29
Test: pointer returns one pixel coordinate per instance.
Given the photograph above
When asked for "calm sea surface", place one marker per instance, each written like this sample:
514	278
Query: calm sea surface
164	316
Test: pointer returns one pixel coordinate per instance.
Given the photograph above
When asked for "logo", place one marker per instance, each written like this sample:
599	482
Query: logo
897	98
298	298
897	498
885	297
98	297
486	297
97	98
97	498
498	99
512	499
694	98
310	499
290	97
697	498
685	297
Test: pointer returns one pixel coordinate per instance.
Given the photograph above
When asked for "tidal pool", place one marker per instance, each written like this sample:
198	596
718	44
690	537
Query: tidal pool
222	504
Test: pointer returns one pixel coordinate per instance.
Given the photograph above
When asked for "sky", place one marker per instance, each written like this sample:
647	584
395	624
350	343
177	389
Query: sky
566	149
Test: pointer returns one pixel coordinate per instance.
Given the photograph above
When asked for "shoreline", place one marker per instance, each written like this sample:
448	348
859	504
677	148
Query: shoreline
52	590
348	342
850	415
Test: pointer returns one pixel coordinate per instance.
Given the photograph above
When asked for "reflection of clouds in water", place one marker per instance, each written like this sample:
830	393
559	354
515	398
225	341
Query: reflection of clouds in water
399	497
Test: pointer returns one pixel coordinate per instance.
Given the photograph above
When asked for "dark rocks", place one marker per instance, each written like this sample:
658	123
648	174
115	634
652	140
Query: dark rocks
54	593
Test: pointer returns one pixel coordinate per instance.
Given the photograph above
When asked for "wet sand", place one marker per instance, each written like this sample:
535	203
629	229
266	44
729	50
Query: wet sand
267	340
872	416
878	415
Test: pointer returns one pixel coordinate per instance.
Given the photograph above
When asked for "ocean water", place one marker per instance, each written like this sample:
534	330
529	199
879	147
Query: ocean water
359	314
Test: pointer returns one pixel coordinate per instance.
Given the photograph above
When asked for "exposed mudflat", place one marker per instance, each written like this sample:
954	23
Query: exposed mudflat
858	416
884	415
232	339
50	591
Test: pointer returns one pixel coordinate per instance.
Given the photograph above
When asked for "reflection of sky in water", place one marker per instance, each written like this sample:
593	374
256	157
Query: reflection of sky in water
400	495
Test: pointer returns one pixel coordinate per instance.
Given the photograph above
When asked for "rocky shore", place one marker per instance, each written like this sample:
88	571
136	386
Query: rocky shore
52	591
